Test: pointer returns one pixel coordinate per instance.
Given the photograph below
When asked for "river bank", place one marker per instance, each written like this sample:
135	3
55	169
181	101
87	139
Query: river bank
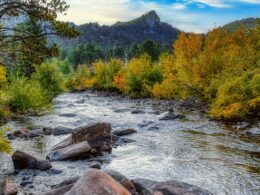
193	149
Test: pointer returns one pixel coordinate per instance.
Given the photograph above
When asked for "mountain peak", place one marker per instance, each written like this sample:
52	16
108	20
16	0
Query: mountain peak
152	15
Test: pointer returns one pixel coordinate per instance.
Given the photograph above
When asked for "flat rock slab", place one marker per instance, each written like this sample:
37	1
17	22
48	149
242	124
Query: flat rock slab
148	187
124	132
72	152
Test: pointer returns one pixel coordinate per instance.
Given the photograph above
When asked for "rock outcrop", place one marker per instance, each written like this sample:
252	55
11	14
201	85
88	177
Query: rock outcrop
97	182
148	187
23	160
84	142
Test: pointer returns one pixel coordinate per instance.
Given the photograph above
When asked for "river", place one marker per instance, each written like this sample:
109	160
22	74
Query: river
195	150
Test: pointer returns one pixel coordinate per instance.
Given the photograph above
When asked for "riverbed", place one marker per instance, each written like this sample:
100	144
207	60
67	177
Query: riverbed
194	150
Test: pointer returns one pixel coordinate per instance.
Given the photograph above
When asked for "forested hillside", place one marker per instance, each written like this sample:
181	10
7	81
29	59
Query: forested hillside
147	27
247	23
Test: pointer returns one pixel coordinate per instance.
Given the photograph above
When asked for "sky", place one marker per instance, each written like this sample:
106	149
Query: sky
189	15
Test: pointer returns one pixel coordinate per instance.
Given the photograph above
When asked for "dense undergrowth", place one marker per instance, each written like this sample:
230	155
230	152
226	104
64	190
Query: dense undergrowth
28	95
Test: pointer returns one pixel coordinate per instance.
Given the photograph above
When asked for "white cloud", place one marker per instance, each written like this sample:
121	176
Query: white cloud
212	3
222	3
111	11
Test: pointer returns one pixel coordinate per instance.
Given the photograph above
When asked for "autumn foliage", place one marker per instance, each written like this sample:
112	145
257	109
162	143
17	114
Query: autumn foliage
221	68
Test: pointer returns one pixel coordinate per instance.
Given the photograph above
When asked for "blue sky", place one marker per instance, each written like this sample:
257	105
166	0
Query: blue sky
188	15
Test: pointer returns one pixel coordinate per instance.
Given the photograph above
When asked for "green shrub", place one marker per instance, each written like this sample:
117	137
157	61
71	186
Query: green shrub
4	145
26	95
105	73
50	78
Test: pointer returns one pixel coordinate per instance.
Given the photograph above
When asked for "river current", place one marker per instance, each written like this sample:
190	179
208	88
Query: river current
194	150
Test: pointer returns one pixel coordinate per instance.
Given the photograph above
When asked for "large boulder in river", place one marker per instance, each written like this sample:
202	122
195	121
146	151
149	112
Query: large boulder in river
124	132
122	180
98	136
8	187
84	142
6	165
76	151
97	182
23	160
148	187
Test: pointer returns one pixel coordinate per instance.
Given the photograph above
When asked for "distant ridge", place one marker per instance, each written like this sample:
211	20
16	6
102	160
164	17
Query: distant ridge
247	23
146	27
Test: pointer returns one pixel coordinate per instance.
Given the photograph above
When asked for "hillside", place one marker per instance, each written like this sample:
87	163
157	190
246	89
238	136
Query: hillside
146	27
247	23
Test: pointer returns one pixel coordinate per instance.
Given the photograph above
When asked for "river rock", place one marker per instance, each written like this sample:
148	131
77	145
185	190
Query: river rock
61	130
66	182
25	133
124	132
148	187
64	143
43	165
23	160
95	165
8	187
21	133
84	142
153	128
98	136
137	112
124	181
115	138
72	152
170	116
6	164
122	141
60	191
122	110
47	130
97	182
54	171
26	183
253	131
69	115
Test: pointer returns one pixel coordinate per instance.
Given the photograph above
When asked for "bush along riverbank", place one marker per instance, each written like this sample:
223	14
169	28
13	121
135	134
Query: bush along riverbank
87	142
28	95
220	68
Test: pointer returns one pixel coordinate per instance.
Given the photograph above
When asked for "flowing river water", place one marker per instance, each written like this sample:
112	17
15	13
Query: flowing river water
194	150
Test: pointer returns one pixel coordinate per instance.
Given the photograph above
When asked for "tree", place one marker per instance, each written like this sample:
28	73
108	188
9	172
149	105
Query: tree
152	49
41	16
